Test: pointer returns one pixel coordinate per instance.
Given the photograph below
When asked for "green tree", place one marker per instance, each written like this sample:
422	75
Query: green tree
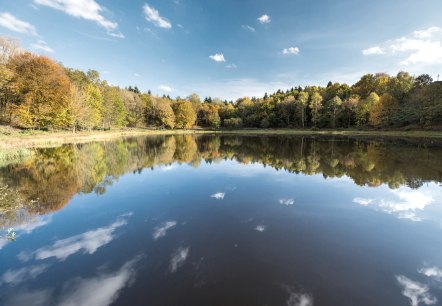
382	112
302	101
364	108
315	106
334	105
114	113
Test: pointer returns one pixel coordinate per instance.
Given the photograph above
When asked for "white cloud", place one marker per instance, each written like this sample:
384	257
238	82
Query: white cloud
249	28
137	75
101	290
373	51
427	33
432	272
30	297
116	34
166	88
15	277
218	195
14	24
261	228
264	19
42	46
85	9
161	231
167	168
89	242
362	201
178	258
3	242
231	66
32	224
300	299
420	51
218	57
153	16
415	291
287	202
421	47
406	205
291	50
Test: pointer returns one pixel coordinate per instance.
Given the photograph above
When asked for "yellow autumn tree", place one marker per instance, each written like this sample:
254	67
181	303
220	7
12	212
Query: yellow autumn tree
42	92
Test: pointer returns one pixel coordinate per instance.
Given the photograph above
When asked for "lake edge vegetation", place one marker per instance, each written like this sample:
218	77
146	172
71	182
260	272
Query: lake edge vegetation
36	93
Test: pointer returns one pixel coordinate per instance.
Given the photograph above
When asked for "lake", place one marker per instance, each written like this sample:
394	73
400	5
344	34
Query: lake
224	220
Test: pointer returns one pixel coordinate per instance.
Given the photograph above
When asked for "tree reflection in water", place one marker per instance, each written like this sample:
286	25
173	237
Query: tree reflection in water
50	177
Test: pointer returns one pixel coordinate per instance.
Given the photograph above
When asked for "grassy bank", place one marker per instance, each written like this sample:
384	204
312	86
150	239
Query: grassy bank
14	138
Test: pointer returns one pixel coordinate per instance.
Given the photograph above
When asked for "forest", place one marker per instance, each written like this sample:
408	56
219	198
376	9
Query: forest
38	93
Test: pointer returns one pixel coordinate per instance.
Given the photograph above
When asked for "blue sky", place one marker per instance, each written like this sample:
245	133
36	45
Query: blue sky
230	48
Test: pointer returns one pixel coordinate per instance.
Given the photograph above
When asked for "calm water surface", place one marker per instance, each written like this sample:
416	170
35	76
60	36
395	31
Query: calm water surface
210	220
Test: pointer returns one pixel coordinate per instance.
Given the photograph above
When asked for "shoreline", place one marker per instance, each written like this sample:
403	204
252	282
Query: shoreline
17	139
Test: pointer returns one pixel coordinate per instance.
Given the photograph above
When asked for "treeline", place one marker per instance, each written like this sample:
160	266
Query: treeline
38	93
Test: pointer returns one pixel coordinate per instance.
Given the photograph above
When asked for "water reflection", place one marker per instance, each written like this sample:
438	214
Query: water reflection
417	292
14	277
224	220
88	242
161	231
404	203
100	290
50	177
178	258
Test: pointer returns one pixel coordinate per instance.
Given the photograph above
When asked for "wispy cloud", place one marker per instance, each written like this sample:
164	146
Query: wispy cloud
231	66
161	231
178	259
14	277
218	195
291	50
248	28
432	272
415	291
421	47
373	51
87	242
362	201
166	88
101	290
217	57
84	9
33	224
12	23
153	16
42	46
264	19
427	33
406	205
116	34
